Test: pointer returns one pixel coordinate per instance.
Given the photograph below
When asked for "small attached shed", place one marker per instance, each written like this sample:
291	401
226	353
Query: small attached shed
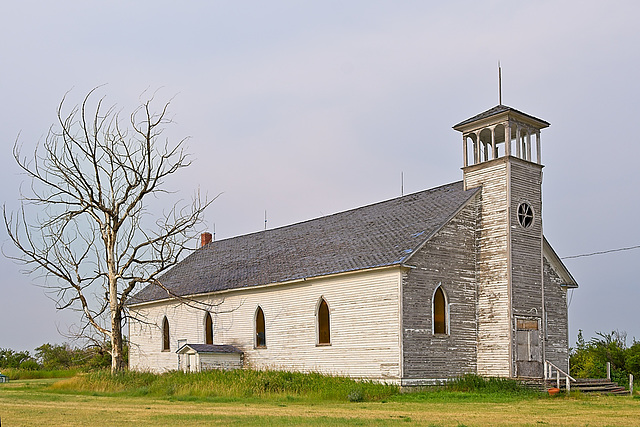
203	357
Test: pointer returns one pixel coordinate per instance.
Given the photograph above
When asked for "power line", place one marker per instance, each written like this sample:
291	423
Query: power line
602	252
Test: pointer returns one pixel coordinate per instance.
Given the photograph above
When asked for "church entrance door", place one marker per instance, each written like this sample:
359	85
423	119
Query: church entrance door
528	348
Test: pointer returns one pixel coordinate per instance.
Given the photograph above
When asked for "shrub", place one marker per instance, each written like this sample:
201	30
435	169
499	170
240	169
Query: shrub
589	359
12	359
30	365
356	395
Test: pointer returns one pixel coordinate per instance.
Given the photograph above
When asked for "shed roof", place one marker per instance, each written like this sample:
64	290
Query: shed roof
208	348
376	235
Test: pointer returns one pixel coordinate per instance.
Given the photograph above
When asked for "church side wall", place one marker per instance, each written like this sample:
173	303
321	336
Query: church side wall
494	305
145	335
557	322
364	326
448	260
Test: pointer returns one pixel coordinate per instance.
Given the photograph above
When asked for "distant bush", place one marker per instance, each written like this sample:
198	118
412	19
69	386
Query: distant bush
56	357
589	359
13	359
64	356
29	365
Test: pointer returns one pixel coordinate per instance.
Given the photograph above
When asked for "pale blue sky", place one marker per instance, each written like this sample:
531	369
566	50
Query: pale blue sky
309	108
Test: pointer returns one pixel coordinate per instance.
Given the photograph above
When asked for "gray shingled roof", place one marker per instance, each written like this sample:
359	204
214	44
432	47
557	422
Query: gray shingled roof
376	235
494	111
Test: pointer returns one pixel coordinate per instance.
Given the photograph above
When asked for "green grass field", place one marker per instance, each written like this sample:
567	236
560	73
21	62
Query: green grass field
72	402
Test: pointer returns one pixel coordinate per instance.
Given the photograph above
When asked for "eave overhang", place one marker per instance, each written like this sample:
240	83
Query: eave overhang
556	263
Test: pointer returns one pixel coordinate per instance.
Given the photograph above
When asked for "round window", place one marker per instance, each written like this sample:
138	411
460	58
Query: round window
525	215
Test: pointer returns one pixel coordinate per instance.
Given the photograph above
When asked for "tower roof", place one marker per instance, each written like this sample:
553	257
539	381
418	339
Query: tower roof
505	111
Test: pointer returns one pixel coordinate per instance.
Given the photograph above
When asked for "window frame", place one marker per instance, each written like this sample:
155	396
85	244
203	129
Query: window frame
256	342
166	335
322	300
525	215
446	308
208	328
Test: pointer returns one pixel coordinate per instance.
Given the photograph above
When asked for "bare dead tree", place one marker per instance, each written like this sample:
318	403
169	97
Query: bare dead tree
92	238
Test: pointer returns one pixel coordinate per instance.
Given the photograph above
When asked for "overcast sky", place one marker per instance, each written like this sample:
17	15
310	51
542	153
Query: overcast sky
304	109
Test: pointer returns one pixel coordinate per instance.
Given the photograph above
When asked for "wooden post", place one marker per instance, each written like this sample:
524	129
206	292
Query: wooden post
631	384
609	371
568	384
465	156
558	378
494	151
476	151
507	139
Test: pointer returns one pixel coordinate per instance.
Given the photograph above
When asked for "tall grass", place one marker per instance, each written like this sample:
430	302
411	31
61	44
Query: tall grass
236	384
478	384
24	374
474	388
244	384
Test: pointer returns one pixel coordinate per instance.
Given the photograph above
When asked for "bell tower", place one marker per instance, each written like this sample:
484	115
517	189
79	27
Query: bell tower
502	155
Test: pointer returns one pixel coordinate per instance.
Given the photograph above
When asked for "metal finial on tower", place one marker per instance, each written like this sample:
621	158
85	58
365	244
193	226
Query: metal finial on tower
499	84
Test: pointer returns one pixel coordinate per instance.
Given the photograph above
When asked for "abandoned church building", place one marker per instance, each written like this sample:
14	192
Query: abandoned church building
428	286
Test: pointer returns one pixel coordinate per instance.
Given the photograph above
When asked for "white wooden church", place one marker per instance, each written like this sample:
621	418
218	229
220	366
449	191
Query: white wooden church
452	280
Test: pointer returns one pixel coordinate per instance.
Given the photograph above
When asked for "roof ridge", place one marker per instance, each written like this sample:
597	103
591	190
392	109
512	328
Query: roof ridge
339	212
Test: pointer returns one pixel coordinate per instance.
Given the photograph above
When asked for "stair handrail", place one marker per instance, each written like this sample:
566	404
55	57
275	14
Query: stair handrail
558	370
568	378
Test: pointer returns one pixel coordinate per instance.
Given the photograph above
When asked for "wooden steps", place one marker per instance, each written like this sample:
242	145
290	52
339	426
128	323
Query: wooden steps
584	385
593	385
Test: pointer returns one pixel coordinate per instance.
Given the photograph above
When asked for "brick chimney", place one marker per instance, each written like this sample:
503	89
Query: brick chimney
205	238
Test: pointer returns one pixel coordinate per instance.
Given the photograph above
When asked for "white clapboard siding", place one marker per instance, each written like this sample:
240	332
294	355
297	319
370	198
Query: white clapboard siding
223	361
494	355
364	320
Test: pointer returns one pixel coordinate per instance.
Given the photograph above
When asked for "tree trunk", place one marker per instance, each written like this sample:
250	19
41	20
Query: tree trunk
117	354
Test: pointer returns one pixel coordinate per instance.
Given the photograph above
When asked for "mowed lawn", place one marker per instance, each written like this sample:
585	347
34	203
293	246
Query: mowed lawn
32	403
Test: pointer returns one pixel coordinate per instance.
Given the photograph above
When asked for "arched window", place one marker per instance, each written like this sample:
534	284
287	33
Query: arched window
165	334
440	315
208	329
324	325
261	338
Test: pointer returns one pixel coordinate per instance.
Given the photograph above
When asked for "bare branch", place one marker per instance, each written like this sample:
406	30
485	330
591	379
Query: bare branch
83	226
